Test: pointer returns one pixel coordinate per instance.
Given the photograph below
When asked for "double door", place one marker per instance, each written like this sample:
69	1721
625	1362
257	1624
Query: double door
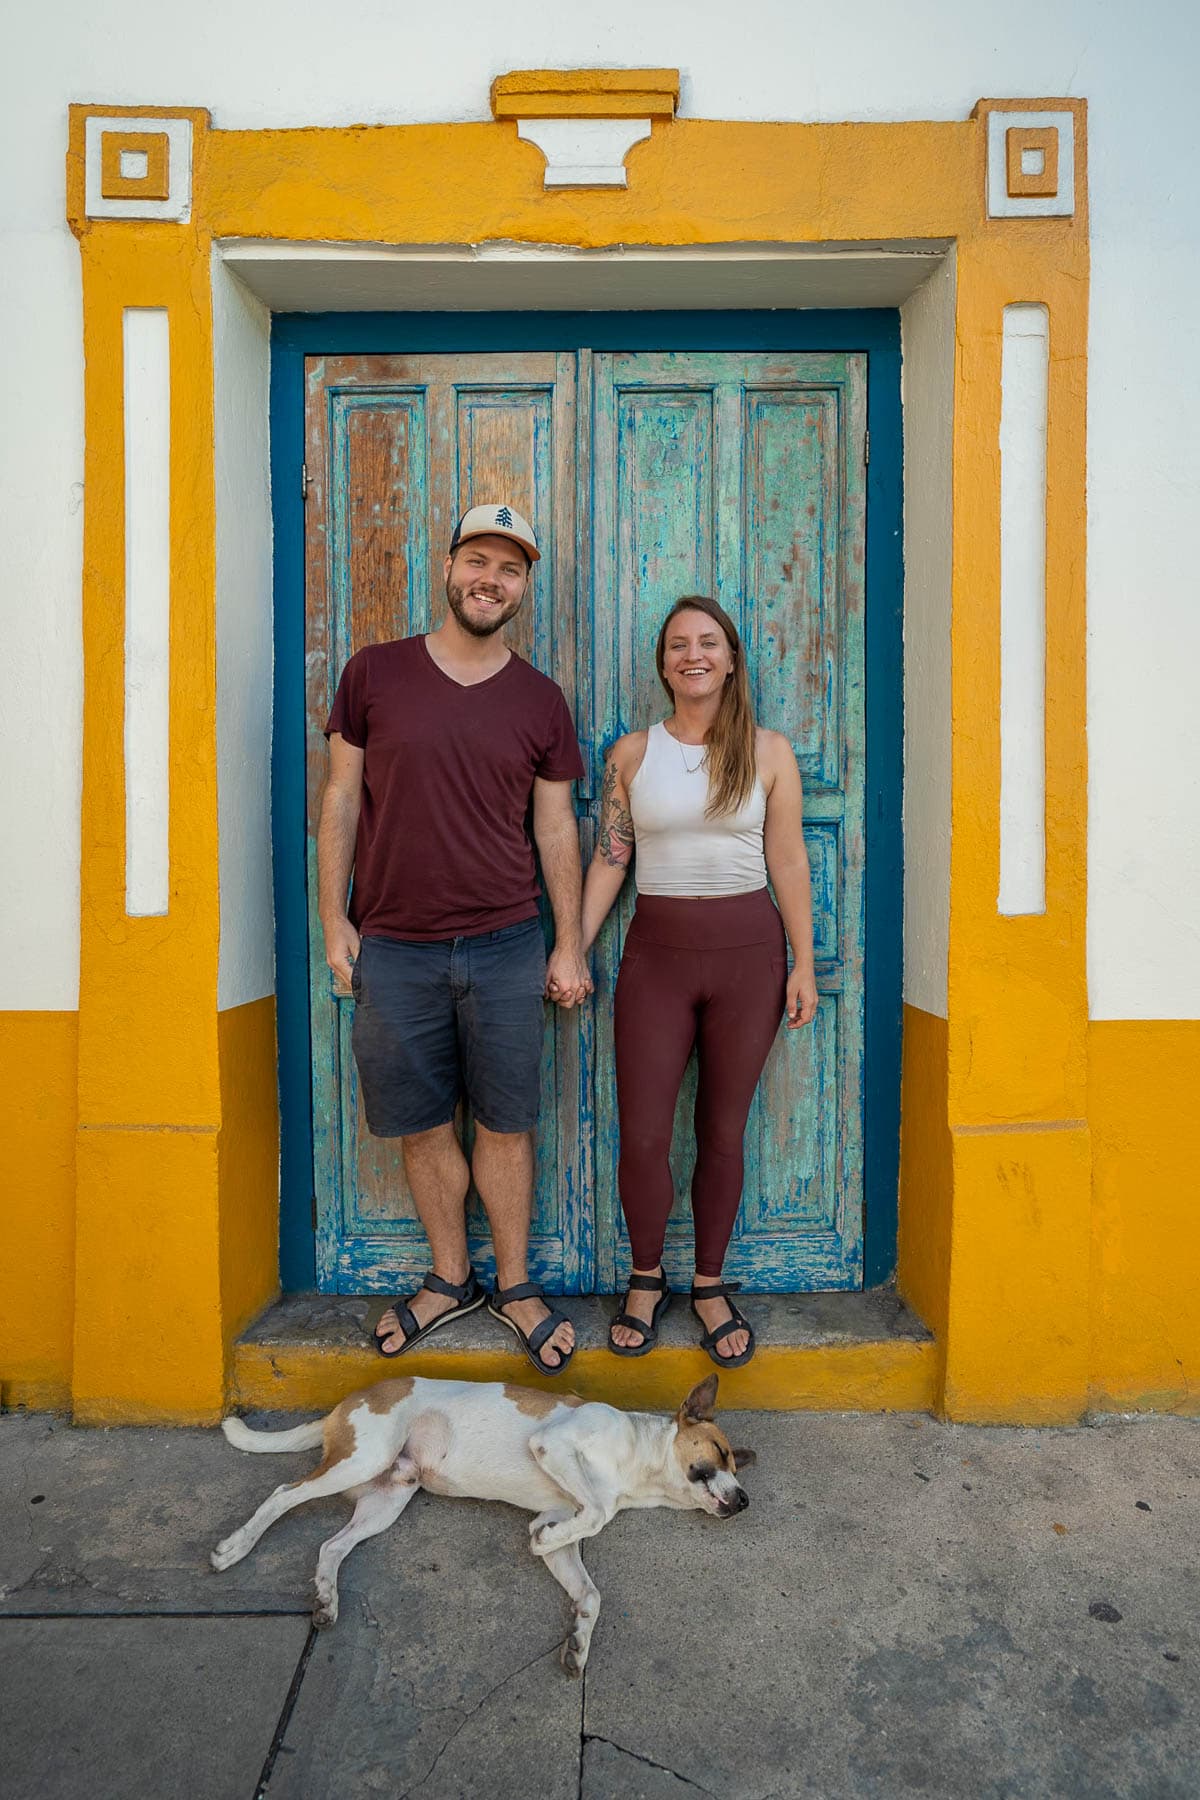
646	476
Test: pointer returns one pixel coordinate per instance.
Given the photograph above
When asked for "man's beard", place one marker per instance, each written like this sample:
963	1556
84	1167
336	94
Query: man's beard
480	628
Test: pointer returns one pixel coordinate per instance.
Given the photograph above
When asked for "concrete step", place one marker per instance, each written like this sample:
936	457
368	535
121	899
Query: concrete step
861	1352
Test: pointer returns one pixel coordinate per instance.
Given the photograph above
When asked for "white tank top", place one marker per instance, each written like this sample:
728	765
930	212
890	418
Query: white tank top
680	852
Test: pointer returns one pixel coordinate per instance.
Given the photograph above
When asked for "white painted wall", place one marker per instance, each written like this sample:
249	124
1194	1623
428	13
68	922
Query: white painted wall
241	384
927	393
863	59
1024	387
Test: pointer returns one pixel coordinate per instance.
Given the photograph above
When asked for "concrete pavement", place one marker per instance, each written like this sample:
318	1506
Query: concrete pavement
906	1609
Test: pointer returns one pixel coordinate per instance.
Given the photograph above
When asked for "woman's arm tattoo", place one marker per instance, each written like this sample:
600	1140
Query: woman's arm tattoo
616	823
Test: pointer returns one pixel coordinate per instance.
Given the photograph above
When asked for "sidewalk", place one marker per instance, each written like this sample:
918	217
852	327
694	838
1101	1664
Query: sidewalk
906	1609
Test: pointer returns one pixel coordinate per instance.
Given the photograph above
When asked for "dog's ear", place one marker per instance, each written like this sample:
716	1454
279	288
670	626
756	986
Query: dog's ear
743	1458
701	1402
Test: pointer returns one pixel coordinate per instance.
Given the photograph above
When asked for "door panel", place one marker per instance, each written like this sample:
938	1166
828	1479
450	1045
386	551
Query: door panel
396	448
742	477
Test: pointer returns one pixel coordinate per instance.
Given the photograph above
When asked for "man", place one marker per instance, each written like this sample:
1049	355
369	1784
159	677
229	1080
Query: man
438	745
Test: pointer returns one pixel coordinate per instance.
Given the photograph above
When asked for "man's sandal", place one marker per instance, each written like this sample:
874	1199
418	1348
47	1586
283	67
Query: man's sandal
469	1294
722	1291
650	1284
529	1290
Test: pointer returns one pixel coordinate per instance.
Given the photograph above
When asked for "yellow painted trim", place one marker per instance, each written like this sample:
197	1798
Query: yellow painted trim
585	93
894	1377
1016	1037
1017	140
155	184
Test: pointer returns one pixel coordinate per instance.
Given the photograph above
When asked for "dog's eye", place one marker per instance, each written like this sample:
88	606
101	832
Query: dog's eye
701	1472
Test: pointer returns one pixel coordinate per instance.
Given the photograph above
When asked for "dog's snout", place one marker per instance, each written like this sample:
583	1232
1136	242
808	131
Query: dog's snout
743	1499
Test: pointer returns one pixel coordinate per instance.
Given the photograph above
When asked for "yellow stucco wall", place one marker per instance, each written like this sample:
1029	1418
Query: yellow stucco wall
248	1164
177	1231
1144	1080
926	1172
37	1206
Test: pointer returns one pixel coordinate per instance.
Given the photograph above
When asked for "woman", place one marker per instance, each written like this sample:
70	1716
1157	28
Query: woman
713	806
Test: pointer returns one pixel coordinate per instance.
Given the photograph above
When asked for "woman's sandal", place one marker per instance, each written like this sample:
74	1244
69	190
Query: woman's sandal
529	1290
651	1284
722	1291
469	1294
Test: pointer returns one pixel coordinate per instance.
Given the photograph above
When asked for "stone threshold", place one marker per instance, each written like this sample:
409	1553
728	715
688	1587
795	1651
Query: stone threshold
862	1352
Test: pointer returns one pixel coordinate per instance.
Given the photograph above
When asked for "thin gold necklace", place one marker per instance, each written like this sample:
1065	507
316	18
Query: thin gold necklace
689	768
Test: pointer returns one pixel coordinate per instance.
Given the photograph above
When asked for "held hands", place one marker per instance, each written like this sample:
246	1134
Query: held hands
801	998
568	983
341	952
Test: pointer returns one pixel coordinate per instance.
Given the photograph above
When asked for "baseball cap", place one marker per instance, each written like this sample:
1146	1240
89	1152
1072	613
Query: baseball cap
496	521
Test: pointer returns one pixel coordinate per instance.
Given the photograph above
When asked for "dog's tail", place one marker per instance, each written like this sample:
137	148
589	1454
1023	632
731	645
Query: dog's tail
301	1437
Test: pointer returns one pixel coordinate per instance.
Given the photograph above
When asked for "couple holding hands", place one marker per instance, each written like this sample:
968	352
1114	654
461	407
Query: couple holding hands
445	750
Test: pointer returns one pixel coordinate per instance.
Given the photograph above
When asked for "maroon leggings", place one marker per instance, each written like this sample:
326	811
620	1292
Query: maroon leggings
711	973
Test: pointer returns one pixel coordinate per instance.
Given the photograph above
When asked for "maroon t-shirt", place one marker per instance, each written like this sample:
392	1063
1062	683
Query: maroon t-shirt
443	847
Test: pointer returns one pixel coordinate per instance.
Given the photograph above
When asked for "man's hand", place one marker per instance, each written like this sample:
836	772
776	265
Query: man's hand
567	980
801	998
342	945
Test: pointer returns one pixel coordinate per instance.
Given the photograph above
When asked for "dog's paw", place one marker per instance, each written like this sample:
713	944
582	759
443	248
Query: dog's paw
226	1554
325	1606
574	1657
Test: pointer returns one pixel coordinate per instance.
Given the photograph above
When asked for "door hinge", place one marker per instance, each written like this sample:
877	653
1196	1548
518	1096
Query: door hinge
304	481
866	446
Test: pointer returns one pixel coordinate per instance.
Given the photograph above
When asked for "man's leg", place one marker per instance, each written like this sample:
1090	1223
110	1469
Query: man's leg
503	1168
406	1048
438	1176
501	1024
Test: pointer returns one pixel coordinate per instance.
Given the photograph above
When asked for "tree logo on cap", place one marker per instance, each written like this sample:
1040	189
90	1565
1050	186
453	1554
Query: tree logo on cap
503	516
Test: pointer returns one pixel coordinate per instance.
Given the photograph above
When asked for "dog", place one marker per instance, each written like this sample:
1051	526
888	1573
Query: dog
574	1463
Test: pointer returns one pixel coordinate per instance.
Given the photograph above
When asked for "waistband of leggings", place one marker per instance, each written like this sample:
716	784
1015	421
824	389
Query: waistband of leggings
724	924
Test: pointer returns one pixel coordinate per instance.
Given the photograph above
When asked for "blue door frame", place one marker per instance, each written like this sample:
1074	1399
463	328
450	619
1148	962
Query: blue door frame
874	333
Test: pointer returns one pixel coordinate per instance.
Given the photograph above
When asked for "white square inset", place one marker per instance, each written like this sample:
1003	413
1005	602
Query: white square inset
1003	205
178	132
1033	162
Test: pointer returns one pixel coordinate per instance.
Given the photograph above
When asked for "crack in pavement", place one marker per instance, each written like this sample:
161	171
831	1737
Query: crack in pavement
582	1731
467	1717
595	1737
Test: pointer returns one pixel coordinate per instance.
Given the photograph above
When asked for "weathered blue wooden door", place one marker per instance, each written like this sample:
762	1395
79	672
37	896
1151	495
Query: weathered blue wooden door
396	448
646	476
742	476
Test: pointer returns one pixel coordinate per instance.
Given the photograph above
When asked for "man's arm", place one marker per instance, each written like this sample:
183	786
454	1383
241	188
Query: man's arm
556	833
336	834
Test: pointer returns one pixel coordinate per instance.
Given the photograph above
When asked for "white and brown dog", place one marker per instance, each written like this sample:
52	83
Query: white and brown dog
574	1463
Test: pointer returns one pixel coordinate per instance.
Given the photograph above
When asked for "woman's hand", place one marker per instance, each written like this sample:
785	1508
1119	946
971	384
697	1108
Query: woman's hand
568	982
801	998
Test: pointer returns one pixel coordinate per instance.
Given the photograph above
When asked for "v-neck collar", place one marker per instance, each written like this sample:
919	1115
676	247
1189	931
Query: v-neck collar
465	687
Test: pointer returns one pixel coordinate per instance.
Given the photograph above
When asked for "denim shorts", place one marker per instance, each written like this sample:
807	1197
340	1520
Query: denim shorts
435	1023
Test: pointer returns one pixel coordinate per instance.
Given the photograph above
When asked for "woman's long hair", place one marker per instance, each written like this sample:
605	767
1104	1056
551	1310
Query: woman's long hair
729	741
